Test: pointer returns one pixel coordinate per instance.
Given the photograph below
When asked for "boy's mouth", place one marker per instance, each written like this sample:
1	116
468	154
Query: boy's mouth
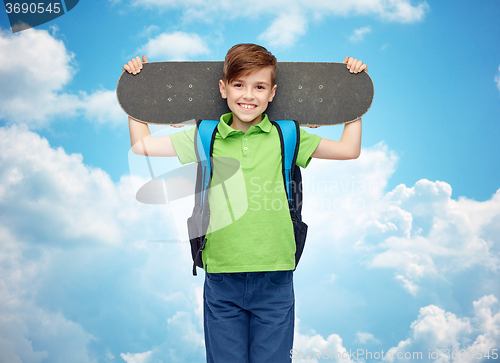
247	106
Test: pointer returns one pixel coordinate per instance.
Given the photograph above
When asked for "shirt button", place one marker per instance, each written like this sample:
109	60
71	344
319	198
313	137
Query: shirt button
245	148
245	139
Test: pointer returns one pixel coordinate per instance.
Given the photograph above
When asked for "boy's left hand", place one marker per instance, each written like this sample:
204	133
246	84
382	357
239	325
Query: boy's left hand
355	65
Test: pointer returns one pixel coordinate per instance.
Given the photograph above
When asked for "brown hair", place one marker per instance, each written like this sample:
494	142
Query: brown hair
244	59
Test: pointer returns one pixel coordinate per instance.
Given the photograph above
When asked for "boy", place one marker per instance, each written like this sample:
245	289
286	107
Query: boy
248	291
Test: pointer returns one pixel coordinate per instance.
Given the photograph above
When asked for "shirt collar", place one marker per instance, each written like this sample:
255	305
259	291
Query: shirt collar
225	120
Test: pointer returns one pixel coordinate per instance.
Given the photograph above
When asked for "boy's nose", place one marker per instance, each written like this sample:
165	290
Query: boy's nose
249	94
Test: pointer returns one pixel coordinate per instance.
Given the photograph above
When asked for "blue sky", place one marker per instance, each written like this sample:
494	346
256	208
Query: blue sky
403	251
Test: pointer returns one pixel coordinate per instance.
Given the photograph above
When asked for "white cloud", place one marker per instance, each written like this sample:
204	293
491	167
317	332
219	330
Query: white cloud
147	31
344	196
29	333
402	10
284	30
175	46
60	339
392	10
102	107
420	232
407	284
449	338
445	235
74	242
65	200
359	34
363	338
291	17
312	347
136	357
488	324
37	67
172	3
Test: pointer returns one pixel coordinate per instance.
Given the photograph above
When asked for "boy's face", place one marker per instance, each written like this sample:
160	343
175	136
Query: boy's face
248	97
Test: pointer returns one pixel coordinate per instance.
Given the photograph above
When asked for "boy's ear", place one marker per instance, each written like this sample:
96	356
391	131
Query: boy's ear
222	88
273	93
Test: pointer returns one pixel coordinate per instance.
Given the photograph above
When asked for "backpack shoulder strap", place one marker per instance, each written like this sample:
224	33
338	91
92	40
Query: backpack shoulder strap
198	223
290	139
289	132
204	144
204	137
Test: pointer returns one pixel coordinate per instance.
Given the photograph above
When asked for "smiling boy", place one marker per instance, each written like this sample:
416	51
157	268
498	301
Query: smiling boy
248	292
248	97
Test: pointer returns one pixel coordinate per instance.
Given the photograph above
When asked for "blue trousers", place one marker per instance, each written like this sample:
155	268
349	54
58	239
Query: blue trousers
249	317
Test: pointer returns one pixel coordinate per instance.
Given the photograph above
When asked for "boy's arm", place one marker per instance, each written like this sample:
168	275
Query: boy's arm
349	146
140	137
144	144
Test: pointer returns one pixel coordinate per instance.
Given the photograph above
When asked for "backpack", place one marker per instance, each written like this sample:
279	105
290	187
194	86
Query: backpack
198	222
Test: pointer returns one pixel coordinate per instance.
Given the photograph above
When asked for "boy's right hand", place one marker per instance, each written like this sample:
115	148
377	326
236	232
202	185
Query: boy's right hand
134	66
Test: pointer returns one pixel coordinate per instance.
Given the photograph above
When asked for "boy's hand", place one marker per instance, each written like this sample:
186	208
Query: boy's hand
354	65
134	66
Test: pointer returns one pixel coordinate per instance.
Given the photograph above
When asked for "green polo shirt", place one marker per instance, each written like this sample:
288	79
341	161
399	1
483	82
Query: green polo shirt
250	227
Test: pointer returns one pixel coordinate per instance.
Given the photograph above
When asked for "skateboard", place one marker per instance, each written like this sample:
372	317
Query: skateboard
314	94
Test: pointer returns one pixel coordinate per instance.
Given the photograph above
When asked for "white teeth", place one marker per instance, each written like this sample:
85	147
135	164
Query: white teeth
247	106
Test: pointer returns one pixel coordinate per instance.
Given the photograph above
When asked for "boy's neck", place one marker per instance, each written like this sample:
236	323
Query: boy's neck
237	124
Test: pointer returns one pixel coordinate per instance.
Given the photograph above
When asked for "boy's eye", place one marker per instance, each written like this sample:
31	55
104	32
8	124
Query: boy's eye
261	87
238	85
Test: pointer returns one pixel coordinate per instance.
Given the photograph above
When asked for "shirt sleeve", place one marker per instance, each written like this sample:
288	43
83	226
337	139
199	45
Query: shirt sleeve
308	143
184	145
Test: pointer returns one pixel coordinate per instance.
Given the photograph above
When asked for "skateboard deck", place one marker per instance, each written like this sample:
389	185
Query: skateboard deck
314	94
